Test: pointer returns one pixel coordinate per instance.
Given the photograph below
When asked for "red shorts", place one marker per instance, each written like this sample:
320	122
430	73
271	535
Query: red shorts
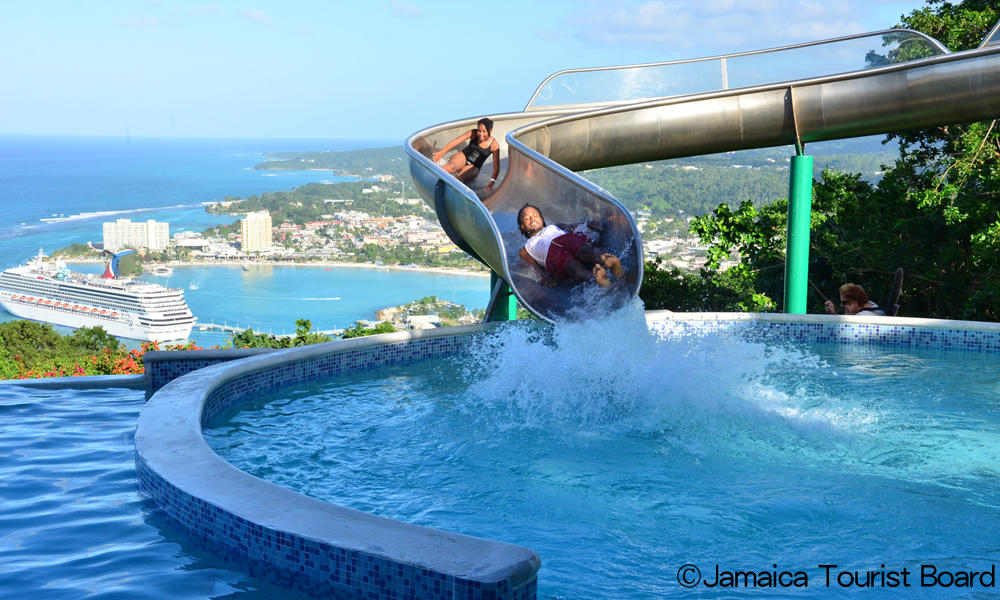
562	250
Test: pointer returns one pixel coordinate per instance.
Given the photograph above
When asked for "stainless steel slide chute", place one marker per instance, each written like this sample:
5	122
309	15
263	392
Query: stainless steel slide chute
488	226
913	83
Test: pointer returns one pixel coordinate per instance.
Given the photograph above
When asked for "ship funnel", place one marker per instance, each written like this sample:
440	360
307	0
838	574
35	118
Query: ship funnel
113	270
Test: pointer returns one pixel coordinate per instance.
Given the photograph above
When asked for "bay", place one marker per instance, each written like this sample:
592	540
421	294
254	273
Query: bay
59	190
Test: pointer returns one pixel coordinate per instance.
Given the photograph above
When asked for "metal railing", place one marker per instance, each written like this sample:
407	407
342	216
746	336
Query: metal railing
633	83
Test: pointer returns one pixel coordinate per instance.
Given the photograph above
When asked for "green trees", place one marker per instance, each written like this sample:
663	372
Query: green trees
130	265
935	213
359	330
74	250
304	336
363	163
28	347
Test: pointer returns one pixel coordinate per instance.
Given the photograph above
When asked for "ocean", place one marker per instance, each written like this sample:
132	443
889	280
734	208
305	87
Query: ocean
59	190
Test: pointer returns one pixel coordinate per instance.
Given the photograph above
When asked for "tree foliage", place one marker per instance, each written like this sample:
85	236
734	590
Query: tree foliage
359	330
695	186
362	163
669	288
308	202
304	336
130	265
29	349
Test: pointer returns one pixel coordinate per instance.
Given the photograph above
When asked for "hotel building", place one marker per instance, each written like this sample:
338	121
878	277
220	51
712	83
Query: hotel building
123	232
256	230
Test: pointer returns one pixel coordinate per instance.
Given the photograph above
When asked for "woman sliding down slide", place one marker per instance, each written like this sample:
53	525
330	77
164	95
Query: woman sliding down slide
465	165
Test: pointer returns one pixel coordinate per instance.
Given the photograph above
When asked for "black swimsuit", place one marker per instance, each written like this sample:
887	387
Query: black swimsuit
475	154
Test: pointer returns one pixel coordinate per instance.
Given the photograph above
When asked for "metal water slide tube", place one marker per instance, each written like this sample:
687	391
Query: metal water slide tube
544	148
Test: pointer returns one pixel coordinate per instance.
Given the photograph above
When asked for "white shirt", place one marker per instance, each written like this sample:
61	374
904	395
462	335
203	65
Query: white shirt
538	244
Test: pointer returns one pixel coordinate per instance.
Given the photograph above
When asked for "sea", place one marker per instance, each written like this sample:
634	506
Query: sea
59	190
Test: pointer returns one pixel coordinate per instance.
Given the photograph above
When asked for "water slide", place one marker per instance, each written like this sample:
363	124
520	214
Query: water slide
584	119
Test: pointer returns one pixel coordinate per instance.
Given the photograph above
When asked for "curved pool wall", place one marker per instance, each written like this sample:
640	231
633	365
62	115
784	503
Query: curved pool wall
375	557
370	556
885	332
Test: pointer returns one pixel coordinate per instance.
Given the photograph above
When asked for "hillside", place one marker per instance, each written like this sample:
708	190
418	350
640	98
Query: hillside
667	189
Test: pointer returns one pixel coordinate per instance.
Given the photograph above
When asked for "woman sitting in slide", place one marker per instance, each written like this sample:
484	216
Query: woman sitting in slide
465	165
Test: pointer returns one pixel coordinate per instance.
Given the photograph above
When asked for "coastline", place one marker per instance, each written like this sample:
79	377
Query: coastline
322	263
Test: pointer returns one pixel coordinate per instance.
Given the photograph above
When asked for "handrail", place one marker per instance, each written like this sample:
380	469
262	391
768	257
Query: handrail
716	94
933	42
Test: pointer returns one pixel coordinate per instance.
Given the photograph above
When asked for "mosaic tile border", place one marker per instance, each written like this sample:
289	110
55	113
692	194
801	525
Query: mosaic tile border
880	332
336	547
164	366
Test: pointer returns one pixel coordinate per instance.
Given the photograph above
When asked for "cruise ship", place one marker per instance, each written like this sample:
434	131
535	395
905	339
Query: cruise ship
51	293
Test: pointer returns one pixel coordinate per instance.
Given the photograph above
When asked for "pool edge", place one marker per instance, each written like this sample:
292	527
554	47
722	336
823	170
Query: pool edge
351	550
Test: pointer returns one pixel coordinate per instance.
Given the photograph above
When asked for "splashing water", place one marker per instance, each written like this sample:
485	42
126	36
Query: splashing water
613	376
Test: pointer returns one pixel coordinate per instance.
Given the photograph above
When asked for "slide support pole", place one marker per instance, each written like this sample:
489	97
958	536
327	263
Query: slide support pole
797	250
503	302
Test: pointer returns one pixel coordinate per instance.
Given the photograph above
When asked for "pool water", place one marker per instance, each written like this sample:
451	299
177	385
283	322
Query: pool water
621	458
72	522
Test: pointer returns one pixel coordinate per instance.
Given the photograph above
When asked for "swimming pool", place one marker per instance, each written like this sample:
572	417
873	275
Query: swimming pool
72	522
624	459
906	477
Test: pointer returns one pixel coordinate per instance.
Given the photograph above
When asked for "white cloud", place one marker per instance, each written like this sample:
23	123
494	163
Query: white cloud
405	9
141	22
713	26
258	16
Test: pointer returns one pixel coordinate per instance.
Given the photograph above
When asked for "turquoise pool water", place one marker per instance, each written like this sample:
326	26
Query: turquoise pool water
72	523
625	461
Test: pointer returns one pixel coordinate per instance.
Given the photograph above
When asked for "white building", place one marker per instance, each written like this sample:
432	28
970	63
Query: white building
256	232
123	232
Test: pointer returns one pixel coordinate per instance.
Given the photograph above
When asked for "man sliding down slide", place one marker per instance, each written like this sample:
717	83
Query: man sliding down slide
564	255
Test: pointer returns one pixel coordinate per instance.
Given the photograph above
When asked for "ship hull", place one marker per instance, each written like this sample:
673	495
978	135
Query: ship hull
121	328
51	293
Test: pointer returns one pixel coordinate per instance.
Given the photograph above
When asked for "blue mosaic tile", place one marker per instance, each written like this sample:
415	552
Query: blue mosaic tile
861	334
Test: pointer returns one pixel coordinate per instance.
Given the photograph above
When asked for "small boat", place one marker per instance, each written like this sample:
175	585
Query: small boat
164	271
246	267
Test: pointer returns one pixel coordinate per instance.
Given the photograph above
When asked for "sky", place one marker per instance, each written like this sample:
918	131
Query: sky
354	70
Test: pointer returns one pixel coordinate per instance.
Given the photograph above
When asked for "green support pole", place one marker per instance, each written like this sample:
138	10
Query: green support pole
506	308
799	215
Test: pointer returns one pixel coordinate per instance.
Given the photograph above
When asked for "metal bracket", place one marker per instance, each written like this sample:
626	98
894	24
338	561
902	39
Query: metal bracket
800	148
495	296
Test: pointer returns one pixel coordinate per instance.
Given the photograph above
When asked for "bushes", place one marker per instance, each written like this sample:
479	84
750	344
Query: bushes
359	330
30	350
304	336
669	288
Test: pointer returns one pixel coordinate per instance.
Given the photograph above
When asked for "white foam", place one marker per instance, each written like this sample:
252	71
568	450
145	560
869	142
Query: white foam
703	395
106	213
